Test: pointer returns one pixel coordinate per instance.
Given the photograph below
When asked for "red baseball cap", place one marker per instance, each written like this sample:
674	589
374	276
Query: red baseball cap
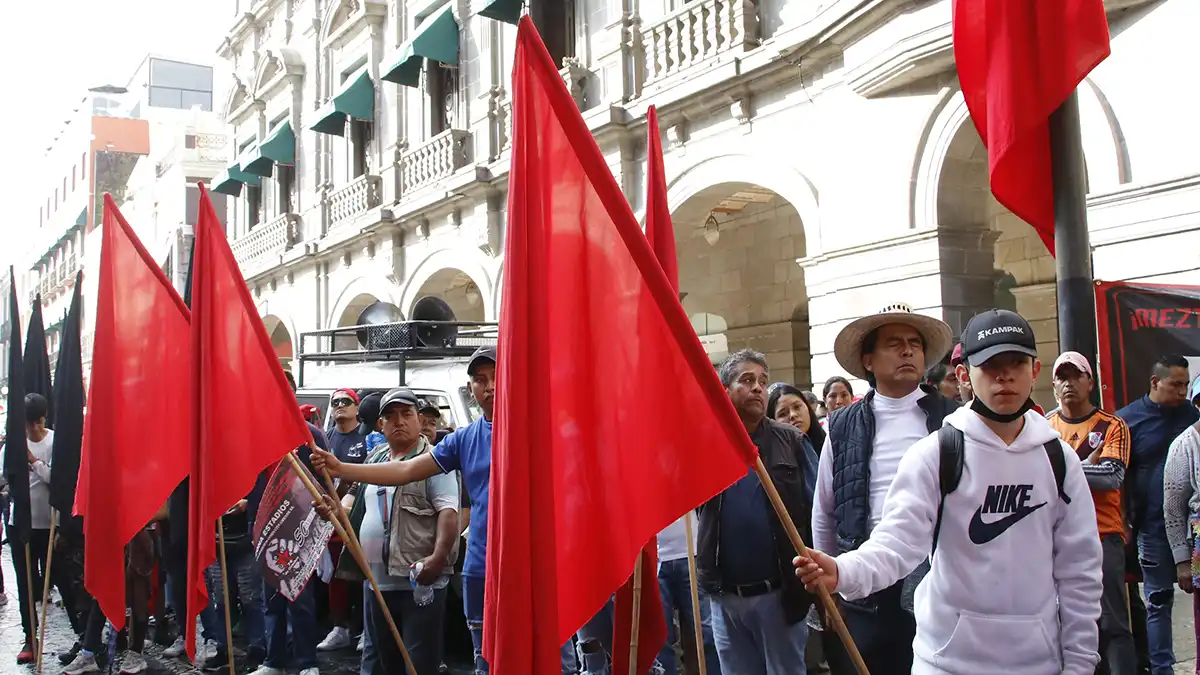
956	356
350	394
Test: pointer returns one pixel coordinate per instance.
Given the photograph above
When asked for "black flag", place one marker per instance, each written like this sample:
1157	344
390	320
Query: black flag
68	402
177	503
16	446
37	362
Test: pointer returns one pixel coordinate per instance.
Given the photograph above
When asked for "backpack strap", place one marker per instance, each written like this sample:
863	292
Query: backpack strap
950	469
1054	453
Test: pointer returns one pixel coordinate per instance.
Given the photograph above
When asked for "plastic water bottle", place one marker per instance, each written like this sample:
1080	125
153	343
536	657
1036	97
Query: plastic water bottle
422	595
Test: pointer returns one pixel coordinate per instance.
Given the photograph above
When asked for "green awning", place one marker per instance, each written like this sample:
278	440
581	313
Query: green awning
280	145
508	11
355	99
436	40
254	163
230	181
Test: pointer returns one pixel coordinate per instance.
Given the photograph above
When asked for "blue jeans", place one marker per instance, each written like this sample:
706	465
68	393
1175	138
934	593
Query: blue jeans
753	636
473	609
239	563
676	588
1158	579
302	615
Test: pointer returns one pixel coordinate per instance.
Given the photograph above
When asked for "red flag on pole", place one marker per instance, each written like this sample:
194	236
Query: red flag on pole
1018	61
139	378
234	370
652	626
591	325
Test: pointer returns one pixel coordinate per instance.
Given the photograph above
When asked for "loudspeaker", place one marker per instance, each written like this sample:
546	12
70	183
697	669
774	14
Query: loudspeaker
431	308
380	338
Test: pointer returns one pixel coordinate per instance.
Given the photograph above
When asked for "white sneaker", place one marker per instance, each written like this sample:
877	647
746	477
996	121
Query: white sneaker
83	663
310	671
268	670
210	650
338	638
133	663
176	649
362	642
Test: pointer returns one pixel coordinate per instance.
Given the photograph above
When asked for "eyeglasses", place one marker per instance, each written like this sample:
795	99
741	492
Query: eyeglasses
342	403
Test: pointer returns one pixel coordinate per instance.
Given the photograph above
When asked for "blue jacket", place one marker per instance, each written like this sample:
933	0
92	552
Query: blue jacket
1152	427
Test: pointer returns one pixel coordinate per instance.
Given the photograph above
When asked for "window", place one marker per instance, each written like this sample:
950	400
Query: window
64	188
83	166
189	141
362	132
441	82
74	177
180	85
192	199
555	20
285	177
253	206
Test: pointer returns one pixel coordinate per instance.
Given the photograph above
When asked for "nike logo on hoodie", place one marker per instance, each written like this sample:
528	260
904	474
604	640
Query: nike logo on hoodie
1010	499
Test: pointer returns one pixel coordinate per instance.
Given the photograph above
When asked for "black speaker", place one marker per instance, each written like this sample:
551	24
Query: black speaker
380	338
431	308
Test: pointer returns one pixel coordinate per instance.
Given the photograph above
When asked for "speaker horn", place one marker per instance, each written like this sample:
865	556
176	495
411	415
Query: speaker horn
379	312
432	308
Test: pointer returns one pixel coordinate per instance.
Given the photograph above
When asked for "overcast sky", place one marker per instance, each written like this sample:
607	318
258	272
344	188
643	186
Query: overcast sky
54	51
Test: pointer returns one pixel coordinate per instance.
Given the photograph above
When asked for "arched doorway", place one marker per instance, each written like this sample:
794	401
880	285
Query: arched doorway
737	245
989	257
281	339
459	291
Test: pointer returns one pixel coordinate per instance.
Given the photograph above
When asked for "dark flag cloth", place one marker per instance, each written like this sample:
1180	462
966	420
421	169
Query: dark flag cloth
68	402
289	537
16	446
572	242
37	361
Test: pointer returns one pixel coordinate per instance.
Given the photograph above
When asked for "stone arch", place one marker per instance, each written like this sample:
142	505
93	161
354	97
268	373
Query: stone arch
238	95
337	15
776	176
354	295
470	262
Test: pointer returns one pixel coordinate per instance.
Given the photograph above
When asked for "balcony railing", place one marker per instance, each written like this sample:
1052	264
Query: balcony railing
355	199
263	244
698	32
437	159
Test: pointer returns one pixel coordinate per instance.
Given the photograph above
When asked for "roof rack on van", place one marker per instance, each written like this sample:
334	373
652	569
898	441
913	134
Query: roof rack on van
398	341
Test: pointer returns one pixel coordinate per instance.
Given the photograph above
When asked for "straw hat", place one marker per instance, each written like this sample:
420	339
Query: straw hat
848	345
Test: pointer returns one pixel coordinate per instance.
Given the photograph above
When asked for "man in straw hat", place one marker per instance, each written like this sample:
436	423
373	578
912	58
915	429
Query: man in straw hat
863	448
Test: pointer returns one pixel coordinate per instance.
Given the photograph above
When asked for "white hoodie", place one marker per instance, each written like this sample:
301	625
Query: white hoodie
1022	599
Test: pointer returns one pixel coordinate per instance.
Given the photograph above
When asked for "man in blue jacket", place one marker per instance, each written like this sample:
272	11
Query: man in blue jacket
1154	421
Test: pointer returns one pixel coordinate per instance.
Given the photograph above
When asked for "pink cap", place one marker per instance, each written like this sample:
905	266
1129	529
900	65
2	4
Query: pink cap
1075	359
956	356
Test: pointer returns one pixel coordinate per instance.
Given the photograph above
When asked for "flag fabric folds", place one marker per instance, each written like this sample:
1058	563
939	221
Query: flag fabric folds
1018	61
652	625
233	366
139	382
37	360
16	445
590	322
68	402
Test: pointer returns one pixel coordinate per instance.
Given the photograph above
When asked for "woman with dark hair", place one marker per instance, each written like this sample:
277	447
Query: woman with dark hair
788	405
837	393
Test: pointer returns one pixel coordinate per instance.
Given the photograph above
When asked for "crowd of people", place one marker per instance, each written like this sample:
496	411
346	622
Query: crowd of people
951	517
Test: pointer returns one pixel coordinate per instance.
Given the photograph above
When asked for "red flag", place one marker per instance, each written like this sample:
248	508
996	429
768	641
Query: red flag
590	324
1018	61
246	414
139	392
652	626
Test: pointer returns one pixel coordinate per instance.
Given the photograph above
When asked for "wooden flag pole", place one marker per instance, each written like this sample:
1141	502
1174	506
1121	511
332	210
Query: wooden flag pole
46	589
225	595
635	625
29	584
355	550
697	622
839	625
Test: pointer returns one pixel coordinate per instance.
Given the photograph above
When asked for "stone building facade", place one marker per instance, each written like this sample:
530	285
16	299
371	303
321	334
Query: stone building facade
820	159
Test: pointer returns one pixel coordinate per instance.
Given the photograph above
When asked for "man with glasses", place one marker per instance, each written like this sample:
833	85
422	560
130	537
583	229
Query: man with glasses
1154	421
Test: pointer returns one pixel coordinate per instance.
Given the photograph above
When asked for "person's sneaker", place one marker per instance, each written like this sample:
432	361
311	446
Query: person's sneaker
210	650
255	656
133	663
176	650
362	642
82	663
310	671
268	670
338	638
69	656
26	654
217	661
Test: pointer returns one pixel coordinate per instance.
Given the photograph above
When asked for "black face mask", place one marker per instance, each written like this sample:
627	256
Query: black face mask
978	406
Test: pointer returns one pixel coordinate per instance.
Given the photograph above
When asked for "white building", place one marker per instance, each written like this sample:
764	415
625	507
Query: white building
820	159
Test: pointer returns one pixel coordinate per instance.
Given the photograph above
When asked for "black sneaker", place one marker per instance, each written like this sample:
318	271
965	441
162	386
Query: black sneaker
255	656
68	656
218	661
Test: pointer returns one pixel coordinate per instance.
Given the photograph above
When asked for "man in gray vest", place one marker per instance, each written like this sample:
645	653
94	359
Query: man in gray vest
865	441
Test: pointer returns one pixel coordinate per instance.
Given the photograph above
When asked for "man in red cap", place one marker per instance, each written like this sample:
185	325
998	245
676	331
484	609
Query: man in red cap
348	442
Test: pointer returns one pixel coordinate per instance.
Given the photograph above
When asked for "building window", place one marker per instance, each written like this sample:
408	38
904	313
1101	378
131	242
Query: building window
285	177
555	20
441	82
83	166
362	132
74	177
180	85
253	206
189	141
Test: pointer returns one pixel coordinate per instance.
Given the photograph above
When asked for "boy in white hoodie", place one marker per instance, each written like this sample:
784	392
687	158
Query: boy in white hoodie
1015	581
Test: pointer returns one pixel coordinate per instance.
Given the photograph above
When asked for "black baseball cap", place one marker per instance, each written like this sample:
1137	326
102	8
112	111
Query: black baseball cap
483	355
997	331
397	396
425	406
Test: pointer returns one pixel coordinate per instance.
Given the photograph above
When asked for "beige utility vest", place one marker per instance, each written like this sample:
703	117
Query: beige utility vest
413	523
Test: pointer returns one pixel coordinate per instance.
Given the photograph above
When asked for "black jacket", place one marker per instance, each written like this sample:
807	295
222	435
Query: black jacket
782	449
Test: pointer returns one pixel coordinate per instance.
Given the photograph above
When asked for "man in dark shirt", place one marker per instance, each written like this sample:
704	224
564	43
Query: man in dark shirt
348	442
1154	421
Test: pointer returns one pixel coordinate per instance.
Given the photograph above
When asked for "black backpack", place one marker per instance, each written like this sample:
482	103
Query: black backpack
950	445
